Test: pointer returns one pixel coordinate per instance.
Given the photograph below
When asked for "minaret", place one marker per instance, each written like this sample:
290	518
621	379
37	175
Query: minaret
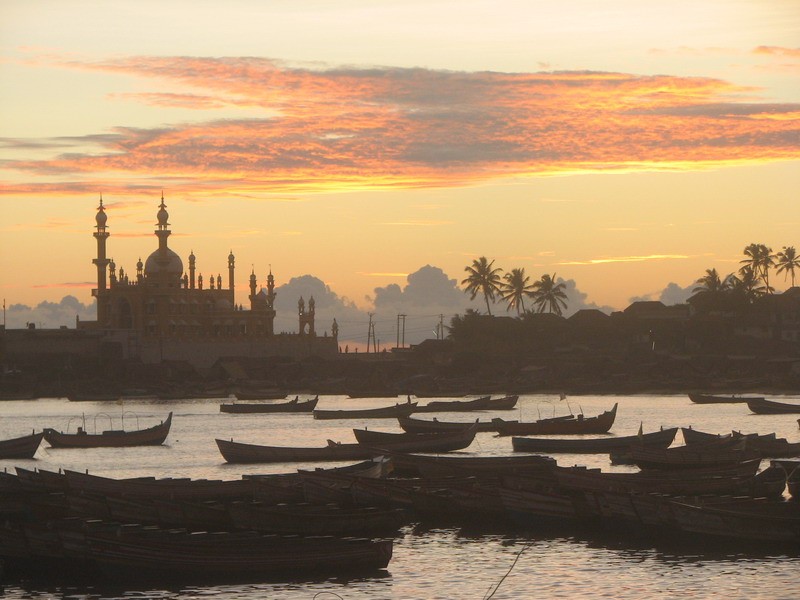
270	289
191	270
162	232
231	261
101	235
139	272
252	289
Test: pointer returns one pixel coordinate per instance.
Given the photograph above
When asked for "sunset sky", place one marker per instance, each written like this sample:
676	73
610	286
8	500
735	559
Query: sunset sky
623	145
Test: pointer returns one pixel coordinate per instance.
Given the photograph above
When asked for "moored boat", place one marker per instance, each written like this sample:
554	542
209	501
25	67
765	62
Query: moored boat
567	425
431	442
292	406
385	412
21	447
712	399
481	403
152	436
657	439
412	425
760	406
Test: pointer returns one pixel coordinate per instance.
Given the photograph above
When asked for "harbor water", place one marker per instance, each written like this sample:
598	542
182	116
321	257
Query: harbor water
465	562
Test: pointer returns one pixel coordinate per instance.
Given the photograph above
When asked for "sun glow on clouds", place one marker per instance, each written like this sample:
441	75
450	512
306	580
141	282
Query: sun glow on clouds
348	129
624	259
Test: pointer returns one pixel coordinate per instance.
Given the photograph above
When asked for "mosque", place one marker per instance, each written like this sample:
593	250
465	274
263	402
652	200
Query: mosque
165	312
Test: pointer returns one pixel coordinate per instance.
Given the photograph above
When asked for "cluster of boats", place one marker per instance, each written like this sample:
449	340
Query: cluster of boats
757	405
343	519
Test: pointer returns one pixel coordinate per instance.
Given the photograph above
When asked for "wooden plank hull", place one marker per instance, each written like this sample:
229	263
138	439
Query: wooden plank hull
607	445
710	399
761	406
293	406
431	442
481	403
153	436
21	447
559	425
412	425
386	412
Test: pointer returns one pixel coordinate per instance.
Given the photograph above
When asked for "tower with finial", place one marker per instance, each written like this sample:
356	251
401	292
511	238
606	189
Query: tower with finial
231	262
102	261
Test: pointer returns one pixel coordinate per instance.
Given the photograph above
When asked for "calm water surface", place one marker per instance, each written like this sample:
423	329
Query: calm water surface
429	563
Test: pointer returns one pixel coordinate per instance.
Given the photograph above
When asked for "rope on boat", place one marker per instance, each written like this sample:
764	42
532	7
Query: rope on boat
511	568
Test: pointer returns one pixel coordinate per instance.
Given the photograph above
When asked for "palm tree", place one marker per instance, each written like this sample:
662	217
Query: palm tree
517	285
747	286
482	278
759	258
788	261
549	294
711	283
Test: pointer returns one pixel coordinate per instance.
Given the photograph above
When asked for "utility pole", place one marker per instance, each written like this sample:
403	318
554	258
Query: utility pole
371	335
401	340
440	328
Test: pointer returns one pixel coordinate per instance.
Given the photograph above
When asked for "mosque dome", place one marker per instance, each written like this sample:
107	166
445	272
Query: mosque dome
168	262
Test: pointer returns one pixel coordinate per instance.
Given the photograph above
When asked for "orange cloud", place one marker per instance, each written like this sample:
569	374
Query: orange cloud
348	128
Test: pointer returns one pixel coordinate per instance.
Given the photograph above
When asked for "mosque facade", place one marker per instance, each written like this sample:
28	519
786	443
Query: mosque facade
164	311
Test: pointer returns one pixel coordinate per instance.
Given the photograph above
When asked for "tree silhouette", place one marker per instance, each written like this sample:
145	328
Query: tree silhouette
747	285
787	261
711	283
483	278
516	287
759	258
550	295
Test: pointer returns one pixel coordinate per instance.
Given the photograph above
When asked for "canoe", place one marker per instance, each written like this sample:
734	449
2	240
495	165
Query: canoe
237	452
689	457
431	442
657	439
293	406
385	412
153	436
504	403
709	399
570	425
481	403
412	425
21	447
481	466
770	407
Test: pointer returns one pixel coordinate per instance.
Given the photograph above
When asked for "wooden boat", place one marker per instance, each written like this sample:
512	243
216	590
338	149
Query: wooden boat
425	442
93	397
568	425
153	436
412	425
761	406
688	457
481	403
481	466
136	551
791	469
236	452
656	439
385	412
709	399
504	403
293	406
21	447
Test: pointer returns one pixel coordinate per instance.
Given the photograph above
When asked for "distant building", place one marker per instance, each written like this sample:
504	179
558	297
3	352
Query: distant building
164	312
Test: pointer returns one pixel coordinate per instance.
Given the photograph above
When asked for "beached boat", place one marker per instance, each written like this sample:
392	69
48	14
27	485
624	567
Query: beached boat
412	425
761	406
93	397
153	436
604	445
424	442
710	399
690	457
481	403
385	412
567	425
21	447
293	406
481	466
